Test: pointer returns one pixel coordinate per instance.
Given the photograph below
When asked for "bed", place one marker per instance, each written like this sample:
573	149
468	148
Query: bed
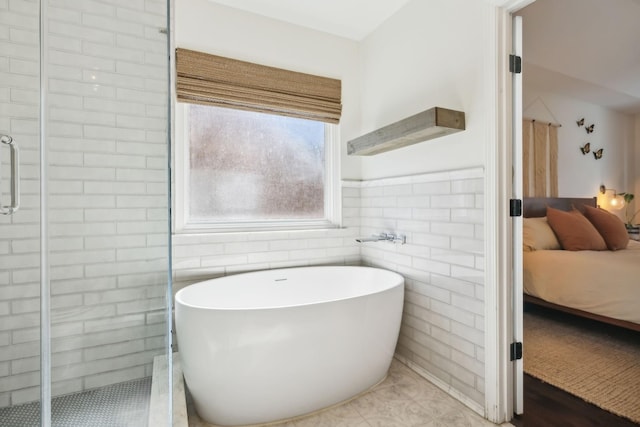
603	285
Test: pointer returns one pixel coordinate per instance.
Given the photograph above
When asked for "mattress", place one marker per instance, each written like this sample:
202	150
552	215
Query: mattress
606	283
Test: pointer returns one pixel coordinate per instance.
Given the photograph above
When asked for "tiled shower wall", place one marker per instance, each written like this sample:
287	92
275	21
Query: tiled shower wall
107	174
442	216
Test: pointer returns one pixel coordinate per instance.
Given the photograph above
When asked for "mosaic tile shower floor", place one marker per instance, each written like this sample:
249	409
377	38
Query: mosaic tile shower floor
119	405
403	399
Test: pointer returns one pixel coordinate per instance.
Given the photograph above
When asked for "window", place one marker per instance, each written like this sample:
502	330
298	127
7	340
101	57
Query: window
256	146
243	170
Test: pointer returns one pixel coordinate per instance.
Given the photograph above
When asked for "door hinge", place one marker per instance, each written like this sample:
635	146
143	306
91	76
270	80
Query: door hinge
516	351
515	207
515	64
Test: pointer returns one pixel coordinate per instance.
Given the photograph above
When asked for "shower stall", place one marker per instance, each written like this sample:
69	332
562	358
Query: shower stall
85	277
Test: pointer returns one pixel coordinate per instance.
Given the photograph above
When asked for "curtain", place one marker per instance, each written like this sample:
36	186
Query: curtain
540	159
215	80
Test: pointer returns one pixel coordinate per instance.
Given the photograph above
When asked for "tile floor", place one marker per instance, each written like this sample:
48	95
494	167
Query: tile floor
118	405
403	399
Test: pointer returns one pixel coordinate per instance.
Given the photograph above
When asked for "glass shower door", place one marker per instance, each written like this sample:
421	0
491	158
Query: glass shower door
84	269
107	206
20	271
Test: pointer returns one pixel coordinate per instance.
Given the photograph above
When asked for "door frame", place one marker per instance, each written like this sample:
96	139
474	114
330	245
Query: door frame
499	308
516	226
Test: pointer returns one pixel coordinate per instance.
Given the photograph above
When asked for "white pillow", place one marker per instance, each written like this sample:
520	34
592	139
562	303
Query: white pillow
537	235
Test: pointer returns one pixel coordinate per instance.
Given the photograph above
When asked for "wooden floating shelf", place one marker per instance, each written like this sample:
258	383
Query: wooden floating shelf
429	124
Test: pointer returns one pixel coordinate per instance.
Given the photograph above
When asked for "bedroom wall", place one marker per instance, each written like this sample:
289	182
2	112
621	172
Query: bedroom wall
636	183
581	175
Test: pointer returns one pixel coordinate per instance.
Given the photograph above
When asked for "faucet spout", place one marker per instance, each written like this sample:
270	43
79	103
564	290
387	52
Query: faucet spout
402	239
373	238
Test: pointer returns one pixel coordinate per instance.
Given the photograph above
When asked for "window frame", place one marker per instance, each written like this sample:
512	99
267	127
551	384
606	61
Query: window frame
332	189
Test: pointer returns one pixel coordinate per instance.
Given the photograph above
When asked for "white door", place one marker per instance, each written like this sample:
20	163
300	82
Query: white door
517	221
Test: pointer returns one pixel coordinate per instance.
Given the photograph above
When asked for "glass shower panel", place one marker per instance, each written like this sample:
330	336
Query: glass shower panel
106	273
19	214
107	68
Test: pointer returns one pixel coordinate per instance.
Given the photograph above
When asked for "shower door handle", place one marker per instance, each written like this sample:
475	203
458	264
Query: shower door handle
15	177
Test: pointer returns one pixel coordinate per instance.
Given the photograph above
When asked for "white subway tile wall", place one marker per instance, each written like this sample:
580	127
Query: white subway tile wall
441	214
199	257
107	157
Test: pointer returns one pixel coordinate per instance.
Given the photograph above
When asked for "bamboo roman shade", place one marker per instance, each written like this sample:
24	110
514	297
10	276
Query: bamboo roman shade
215	80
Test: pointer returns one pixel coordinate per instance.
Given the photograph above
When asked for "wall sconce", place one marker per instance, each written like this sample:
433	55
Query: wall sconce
614	200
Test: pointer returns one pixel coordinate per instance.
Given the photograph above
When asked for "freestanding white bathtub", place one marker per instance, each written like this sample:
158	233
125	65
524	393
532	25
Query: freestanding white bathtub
275	344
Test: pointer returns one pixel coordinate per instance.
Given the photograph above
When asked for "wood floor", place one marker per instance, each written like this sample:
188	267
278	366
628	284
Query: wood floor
549	406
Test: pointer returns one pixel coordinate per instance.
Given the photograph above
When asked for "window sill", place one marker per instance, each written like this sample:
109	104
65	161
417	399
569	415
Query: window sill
255	228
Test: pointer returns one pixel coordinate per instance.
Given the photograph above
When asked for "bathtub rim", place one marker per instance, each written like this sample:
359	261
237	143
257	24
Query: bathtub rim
398	282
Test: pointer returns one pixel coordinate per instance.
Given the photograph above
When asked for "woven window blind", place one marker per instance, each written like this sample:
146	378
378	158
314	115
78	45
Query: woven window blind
215	80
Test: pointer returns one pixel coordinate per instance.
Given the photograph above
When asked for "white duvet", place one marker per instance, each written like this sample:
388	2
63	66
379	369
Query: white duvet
600	282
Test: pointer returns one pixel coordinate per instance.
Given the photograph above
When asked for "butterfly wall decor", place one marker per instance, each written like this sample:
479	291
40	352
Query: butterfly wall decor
589	128
580	122
585	149
598	153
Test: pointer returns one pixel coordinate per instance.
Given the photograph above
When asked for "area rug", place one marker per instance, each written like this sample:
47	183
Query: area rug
599	365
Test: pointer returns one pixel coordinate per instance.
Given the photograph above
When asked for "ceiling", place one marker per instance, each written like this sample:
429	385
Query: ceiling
586	49
352	19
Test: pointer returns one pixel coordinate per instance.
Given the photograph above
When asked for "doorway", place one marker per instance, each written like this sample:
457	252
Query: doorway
586	188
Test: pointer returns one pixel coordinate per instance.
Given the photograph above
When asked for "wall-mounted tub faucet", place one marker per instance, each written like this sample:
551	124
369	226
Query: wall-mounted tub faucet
402	239
373	238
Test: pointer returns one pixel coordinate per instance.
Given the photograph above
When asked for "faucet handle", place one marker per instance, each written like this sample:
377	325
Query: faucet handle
397	238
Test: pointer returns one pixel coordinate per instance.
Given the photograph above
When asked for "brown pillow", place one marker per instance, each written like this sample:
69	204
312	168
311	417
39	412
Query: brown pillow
610	227
574	231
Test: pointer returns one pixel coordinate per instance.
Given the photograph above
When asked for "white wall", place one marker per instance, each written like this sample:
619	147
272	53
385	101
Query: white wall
430	53
211	28
581	175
